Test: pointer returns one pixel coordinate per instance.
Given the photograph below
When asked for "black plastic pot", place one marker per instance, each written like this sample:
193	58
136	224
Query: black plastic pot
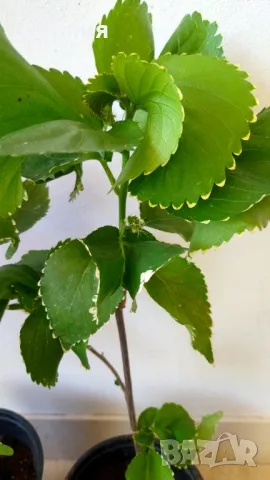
110	454
17	427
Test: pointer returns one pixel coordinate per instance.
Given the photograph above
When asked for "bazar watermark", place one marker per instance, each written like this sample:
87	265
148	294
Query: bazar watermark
226	450
102	31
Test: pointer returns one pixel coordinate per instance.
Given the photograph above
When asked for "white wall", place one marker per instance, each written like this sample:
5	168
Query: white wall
58	33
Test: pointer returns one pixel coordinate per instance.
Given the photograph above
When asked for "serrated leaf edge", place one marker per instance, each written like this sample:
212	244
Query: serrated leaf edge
245	138
250	229
38	382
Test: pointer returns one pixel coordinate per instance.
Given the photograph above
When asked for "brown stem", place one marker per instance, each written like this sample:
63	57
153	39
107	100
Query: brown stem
126	367
109	365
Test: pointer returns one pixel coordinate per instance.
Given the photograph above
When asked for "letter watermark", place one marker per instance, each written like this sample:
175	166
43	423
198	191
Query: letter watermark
102	30
202	452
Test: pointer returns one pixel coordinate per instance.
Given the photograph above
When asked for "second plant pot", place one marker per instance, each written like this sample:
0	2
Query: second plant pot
109	460
27	460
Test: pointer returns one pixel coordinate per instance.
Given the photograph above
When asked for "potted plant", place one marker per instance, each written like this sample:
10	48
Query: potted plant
198	160
21	454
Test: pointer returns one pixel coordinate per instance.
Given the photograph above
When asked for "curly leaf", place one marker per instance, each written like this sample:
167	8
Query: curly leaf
68	291
215	233
41	352
217	100
245	186
148	465
102	90
129	31
195	35
65	136
144	255
156	217
179	287
150	88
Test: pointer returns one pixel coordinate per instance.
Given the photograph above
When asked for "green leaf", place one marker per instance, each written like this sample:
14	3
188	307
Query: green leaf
14	276
21	282
68	290
156	217
245	186
152	89
174	422
108	307
217	100
148	466
48	167
78	187
102	91
105	248
35	259
179	287
66	136
11	188
208	425
9	233
3	305
146	419
195	35
27	299
27	97
144	256
129	31
72	91
144	438
41	352
80	349
34	208
215	233
5	450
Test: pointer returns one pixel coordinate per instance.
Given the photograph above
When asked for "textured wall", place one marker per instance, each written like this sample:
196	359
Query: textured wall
58	33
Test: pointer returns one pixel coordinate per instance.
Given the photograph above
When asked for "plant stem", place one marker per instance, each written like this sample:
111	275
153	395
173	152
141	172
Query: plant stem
120	316
110	176
109	365
123	195
126	366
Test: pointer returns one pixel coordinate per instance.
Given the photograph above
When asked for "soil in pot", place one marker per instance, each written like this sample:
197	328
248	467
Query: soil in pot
20	465
114	471
110	459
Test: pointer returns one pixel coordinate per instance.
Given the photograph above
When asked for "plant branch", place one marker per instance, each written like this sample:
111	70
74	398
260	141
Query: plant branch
123	194
110	176
126	366
109	365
